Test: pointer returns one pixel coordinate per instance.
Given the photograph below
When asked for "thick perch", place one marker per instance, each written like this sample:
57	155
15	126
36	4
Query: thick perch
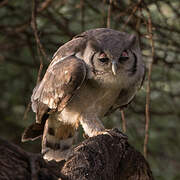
103	157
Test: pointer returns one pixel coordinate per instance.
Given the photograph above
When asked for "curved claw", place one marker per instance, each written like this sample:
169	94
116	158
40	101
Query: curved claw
105	132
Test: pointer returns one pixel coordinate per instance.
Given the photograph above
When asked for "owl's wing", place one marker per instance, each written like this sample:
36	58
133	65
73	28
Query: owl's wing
61	81
65	74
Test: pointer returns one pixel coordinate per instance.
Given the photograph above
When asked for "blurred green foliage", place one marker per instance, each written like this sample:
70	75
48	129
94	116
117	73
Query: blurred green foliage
58	21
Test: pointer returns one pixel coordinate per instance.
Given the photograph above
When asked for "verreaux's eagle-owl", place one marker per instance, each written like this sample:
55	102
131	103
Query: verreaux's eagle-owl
90	76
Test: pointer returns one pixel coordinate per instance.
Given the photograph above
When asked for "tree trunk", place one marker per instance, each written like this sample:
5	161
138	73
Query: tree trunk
103	157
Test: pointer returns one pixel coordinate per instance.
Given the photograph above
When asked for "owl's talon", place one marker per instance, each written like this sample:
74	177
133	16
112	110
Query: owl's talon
113	133
105	132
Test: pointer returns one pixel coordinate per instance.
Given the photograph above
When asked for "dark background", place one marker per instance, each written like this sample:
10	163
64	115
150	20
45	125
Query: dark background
156	23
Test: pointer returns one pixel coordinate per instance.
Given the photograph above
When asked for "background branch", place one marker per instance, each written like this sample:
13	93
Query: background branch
148	89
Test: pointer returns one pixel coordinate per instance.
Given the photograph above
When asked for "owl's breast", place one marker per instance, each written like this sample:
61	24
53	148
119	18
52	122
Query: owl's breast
94	97
103	103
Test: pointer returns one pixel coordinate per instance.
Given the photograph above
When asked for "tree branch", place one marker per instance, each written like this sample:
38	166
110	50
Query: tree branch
101	157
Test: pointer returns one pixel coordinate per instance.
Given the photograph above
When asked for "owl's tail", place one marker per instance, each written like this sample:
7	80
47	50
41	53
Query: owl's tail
58	137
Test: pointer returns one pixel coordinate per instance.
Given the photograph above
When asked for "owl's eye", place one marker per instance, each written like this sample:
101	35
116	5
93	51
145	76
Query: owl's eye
103	60
124	56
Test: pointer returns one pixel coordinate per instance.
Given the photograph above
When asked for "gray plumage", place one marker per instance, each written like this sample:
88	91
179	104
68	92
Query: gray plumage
89	77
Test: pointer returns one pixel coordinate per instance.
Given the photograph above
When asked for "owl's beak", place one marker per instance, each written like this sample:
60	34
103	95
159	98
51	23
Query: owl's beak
114	68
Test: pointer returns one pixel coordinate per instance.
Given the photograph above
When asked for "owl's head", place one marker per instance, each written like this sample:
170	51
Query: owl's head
114	53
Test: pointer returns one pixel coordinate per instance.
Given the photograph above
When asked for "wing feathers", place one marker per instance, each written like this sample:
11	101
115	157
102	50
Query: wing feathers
59	84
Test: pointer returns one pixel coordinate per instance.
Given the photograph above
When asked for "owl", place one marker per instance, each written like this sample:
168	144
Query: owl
89	77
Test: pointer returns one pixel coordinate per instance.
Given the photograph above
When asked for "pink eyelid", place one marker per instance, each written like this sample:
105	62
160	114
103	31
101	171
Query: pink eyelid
102	55
124	54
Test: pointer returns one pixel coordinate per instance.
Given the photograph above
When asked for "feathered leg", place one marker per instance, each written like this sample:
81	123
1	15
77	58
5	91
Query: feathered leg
58	137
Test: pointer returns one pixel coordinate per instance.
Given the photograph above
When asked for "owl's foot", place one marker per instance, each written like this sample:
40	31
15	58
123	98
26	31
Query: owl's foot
105	132
97	132
110	132
113	133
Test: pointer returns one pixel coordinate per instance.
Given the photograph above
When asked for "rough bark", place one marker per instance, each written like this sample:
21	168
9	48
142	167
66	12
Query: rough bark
104	157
